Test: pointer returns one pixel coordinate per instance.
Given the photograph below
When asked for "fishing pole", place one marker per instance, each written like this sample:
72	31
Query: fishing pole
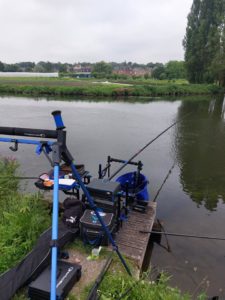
92	294
164	181
143	148
185	235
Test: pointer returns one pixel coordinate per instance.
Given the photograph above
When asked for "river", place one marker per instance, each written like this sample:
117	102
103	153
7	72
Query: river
191	201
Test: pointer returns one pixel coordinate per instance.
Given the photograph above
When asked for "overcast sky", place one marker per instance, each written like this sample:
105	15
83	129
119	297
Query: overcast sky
92	30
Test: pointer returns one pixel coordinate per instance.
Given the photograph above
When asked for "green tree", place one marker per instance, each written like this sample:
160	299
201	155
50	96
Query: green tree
202	39
2	67
11	68
159	72
102	68
175	70
218	63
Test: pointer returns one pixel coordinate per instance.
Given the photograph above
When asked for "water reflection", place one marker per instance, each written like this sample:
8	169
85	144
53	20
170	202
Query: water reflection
200	146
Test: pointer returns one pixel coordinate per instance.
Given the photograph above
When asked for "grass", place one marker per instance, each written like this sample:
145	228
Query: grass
22	217
117	284
96	88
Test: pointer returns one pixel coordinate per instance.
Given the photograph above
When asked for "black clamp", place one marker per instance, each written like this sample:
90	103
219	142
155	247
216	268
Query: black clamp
15	147
54	243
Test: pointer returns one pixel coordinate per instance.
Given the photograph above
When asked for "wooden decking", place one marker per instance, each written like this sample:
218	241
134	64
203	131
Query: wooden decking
130	241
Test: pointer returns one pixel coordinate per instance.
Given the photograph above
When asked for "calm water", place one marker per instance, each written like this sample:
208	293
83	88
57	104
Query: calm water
192	200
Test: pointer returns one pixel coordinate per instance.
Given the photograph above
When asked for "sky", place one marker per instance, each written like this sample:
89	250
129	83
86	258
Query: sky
72	31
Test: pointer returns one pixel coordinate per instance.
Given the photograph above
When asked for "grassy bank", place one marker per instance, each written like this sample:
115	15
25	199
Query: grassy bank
117	284
95	88
22	217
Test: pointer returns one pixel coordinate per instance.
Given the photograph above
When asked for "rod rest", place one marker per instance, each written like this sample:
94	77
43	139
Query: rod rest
42	133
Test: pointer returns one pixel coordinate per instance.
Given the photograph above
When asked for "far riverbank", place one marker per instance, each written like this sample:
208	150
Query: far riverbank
40	86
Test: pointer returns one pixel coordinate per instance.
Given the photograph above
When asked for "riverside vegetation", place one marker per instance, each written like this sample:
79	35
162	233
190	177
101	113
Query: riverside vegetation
24	217
102	88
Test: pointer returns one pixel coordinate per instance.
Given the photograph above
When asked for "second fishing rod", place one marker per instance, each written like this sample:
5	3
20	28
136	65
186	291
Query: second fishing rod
126	162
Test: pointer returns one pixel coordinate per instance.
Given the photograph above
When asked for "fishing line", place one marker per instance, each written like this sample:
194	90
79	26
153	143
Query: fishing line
185	235
148	144
164	181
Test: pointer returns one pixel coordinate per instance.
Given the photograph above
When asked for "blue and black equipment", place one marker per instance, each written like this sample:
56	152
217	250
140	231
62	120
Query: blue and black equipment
59	152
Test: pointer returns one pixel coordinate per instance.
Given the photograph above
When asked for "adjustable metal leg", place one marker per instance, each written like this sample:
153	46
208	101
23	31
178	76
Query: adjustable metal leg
55	232
54	243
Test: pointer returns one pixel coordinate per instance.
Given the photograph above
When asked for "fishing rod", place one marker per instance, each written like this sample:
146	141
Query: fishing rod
143	148
92	294
164	181
185	235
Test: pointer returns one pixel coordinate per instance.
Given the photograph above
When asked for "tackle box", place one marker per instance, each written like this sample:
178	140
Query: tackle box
91	229
108	190
67	275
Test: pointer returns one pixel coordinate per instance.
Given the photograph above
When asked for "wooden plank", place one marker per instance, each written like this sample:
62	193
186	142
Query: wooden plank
129	240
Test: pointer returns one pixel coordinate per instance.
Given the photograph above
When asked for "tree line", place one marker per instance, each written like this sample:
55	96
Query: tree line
170	70
204	42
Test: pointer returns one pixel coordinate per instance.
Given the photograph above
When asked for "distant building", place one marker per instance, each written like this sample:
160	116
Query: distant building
142	71
81	71
132	71
82	74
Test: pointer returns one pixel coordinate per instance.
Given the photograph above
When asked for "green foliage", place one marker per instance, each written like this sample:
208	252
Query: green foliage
175	69
172	70
2	67
95	88
101	69
8	182
203	41
158	71
22	217
117	284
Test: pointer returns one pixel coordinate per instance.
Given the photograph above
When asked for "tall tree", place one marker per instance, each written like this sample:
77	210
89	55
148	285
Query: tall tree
218	63
202	39
2	67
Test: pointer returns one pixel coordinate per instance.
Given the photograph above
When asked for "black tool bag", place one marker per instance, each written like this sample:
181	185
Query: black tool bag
73	210
91	229
67	275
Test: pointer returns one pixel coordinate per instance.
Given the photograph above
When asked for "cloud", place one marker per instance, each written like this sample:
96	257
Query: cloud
92	30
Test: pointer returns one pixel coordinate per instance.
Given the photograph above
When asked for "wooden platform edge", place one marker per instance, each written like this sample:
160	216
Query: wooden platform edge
135	224
153	206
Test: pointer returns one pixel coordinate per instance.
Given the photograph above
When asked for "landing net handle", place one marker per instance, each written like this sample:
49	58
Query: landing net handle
38	133
29	132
